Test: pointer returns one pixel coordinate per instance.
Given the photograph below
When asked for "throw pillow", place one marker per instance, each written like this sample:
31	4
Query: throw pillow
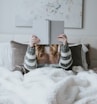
75	50
18	53
19	50
76	55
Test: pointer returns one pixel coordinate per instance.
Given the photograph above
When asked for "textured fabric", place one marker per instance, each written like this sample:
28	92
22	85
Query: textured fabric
65	57
76	55
5	55
18	53
30	61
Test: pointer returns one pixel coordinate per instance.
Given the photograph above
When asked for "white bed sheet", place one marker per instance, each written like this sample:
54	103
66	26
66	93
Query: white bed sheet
48	86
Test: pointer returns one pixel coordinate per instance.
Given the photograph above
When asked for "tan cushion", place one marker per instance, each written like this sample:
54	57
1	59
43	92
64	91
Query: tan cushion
18	53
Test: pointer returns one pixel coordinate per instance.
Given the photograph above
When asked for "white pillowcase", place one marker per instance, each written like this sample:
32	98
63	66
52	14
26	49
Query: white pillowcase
5	55
84	51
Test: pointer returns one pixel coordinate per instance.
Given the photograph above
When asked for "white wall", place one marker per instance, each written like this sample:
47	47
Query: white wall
8	30
88	34
89	21
8	12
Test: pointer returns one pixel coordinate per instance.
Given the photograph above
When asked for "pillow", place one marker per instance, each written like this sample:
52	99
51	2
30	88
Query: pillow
85	58
18	53
5	55
87	55
19	50
76	55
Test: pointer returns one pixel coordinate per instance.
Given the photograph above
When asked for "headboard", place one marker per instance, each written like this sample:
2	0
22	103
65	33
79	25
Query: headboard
92	41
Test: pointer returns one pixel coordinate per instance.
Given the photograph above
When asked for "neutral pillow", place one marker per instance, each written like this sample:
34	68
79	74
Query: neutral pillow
5	55
19	50
76	55
18	53
85	57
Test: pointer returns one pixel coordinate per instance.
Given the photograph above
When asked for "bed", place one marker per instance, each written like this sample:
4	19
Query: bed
47	85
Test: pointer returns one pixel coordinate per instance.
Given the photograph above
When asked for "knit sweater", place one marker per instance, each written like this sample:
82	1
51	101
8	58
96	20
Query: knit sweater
65	61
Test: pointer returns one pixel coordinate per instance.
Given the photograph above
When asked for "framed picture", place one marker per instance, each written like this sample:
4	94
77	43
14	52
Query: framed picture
21	21
69	11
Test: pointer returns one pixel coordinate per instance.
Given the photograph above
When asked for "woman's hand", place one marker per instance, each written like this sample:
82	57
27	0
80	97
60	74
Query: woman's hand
62	38
34	40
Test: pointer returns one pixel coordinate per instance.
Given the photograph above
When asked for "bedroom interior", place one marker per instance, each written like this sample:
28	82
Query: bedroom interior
18	21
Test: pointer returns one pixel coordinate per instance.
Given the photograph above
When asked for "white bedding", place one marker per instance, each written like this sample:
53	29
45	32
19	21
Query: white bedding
48	86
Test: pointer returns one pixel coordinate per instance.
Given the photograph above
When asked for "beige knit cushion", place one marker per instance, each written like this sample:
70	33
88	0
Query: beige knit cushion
18	53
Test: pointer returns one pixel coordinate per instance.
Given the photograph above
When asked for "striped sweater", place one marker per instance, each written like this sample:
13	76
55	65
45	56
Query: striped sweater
65	61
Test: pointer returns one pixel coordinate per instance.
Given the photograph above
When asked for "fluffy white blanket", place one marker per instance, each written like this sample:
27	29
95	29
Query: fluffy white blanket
48	86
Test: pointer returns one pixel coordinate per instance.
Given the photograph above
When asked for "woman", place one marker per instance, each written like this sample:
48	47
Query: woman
65	57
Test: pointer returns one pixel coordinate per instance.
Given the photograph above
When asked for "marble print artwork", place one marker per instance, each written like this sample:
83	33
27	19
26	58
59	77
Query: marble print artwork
68	10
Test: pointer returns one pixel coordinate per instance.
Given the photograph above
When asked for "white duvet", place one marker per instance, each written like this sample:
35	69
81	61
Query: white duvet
48	86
